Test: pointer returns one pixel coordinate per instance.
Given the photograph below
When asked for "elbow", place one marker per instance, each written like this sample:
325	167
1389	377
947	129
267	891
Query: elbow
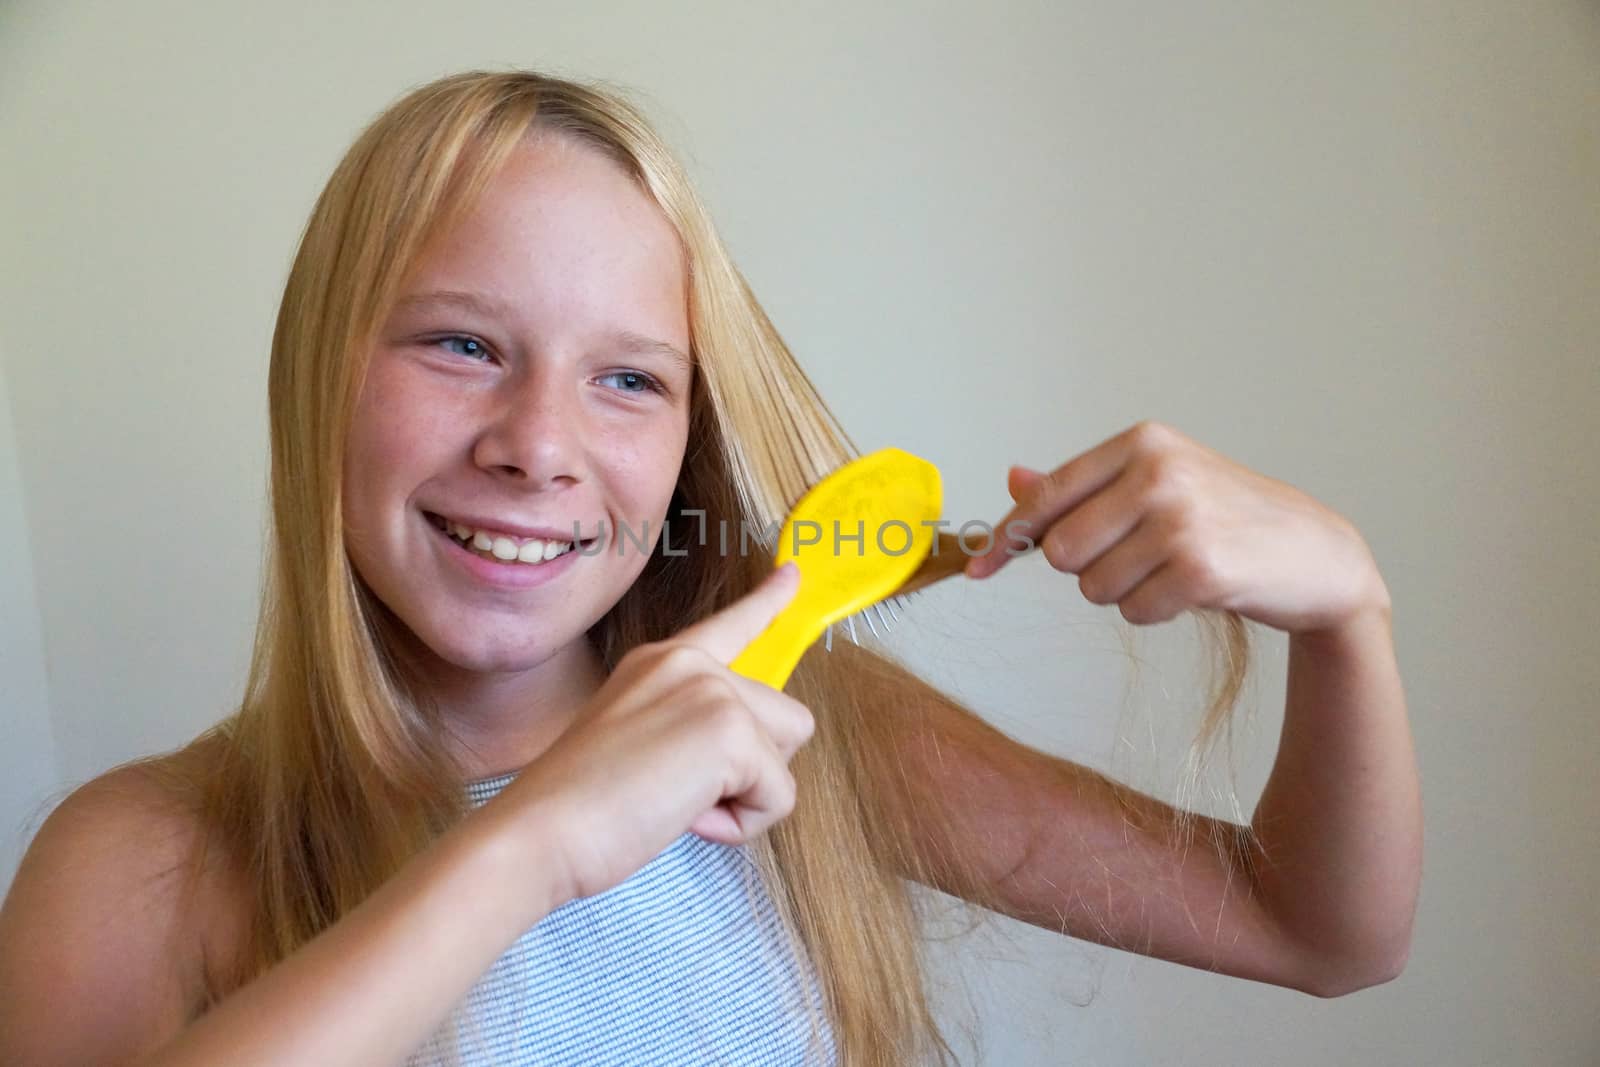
1338	978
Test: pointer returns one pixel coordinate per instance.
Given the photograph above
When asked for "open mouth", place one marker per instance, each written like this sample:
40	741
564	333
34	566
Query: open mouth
501	547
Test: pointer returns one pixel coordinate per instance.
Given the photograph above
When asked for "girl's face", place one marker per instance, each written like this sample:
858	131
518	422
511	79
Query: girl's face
533	375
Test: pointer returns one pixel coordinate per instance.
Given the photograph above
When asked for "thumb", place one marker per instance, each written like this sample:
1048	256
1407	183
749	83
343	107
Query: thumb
726	633
1020	479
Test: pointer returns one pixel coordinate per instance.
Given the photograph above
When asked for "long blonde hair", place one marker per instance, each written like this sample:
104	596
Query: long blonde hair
333	773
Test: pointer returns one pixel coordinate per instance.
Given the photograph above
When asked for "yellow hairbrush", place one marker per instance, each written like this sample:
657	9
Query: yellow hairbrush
864	533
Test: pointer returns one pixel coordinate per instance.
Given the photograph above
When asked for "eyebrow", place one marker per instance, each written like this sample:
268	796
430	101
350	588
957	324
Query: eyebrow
628	340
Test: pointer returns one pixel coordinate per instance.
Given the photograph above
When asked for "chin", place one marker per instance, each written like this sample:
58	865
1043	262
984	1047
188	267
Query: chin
488	657
438	642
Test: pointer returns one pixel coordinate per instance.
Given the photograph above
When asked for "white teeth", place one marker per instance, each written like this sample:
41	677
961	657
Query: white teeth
534	550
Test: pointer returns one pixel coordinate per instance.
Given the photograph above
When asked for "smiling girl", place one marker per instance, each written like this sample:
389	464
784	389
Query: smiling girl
493	793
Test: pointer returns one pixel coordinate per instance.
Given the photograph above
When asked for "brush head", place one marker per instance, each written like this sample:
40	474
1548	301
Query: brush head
862	531
856	536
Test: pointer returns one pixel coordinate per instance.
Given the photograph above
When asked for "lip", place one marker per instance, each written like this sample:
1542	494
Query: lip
544	533
503	575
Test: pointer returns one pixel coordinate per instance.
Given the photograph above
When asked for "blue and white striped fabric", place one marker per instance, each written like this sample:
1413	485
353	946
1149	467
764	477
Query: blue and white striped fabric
683	963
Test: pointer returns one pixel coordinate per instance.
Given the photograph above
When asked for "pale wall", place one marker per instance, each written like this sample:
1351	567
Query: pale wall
1351	245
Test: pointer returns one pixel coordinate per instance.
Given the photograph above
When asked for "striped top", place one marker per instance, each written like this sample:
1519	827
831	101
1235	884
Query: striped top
682	963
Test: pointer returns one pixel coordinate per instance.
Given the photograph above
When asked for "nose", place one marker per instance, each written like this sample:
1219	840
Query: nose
534	432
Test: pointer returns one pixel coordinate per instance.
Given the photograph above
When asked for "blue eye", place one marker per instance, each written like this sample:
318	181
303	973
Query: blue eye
478	350
644	382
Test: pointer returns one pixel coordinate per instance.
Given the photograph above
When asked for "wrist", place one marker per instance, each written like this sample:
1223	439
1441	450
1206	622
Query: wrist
1372	620
515	841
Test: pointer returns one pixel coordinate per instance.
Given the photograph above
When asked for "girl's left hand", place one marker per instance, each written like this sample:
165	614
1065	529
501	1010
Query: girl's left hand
1158	524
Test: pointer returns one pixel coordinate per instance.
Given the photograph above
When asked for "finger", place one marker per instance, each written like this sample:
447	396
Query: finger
1096	526
1046	499
1020	481
1113	575
717	824
768	797
786	721
726	633
1161	597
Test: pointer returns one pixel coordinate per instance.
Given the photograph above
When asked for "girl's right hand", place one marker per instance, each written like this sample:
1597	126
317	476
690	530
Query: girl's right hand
672	741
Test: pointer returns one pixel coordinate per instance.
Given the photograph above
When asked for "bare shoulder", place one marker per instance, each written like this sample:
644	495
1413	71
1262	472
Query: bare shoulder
100	926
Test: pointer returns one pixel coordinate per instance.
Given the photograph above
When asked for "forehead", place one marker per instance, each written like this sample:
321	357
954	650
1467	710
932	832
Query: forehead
562	234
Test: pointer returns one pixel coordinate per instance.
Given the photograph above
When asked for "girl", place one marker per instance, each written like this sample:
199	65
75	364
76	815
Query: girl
493	794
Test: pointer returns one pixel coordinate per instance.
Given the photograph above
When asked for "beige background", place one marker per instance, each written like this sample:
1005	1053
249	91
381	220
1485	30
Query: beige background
1353	245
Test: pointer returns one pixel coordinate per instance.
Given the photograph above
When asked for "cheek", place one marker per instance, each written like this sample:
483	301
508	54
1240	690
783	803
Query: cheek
369	456
376	447
646	467
395	430
368	425
381	466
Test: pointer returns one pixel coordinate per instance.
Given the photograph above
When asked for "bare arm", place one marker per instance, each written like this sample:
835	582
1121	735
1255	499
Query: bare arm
96	958
1066	848
89	928
1340	819
372	987
1324	906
